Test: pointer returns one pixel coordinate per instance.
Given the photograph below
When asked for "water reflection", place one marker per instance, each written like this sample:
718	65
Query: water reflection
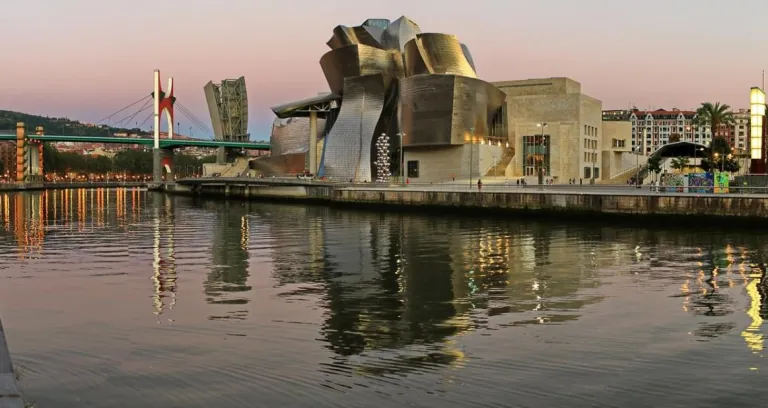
164	256
227	281
396	294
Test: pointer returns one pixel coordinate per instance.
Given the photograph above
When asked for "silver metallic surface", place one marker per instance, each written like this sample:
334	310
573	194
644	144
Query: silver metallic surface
358	60
347	150
468	56
228	107
433	53
322	103
389	78
291	135
441	109
399	32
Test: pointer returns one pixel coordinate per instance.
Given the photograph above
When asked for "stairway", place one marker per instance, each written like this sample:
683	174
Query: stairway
239	168
501	167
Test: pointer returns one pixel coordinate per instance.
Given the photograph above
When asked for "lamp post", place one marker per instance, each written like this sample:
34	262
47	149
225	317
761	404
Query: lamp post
402	157
471	150
539	168
636	150
594	158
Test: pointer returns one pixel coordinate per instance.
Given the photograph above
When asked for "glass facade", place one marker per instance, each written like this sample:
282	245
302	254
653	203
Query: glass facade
536	154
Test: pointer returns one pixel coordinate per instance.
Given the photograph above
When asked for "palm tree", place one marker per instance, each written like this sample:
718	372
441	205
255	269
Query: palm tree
715	115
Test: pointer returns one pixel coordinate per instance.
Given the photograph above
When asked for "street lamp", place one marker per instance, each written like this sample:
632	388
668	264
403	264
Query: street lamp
402	157
539	168
471	151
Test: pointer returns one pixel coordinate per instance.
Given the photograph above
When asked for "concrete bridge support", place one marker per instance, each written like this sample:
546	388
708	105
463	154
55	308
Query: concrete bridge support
162	165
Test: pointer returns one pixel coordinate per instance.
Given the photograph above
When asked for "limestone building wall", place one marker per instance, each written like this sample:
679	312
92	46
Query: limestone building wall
574	124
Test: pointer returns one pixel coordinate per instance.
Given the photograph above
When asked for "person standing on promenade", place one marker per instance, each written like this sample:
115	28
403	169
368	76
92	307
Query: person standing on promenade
479	185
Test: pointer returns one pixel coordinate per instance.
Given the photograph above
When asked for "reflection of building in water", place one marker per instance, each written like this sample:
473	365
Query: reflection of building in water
164	264
25	217
228	277
415	283
757	290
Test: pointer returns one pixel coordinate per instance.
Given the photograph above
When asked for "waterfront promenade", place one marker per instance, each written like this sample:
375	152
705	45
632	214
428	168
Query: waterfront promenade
562	200
68	185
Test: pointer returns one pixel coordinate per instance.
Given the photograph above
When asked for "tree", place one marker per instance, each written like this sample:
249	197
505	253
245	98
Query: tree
715	115
654	164
730	164
679	163
719	146
674	138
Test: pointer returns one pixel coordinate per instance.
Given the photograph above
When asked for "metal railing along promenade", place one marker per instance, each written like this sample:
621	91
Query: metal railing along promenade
498	187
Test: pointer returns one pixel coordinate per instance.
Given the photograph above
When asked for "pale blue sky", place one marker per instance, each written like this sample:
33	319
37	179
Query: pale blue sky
85	58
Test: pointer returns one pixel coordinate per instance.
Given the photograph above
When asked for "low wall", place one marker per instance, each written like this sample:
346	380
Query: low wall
750	208
66	186
9	392
610	204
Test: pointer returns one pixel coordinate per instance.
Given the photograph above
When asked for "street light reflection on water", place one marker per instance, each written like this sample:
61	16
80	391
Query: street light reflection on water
206	301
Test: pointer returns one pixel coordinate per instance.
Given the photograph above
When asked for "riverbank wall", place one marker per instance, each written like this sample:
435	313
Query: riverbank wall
10	397
532	201
67	186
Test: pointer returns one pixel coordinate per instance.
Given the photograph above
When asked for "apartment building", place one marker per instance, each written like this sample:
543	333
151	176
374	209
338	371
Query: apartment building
653	129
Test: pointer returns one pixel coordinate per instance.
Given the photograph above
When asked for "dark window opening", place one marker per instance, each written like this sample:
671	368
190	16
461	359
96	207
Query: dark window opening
413	168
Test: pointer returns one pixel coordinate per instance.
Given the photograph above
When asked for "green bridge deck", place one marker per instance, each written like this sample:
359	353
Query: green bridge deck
164	143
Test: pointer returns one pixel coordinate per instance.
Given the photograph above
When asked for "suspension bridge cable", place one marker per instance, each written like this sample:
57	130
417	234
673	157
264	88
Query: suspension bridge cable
140	100
142	109
192	118
146	119
195	123
125	122
206	131
199	122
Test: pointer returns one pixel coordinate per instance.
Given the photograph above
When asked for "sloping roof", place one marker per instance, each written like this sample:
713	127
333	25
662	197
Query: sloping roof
304	106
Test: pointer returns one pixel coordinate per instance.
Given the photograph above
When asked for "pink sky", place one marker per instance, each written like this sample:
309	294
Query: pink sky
86	59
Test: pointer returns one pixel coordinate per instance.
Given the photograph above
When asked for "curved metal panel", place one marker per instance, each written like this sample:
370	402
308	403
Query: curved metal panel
291	136
366	35
347	148
433	53
468	56
399	32
441	109
358	60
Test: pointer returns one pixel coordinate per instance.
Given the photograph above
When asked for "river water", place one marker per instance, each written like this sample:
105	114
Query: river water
124	298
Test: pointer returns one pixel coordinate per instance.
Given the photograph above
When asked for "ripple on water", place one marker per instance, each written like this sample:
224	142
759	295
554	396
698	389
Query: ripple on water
167	302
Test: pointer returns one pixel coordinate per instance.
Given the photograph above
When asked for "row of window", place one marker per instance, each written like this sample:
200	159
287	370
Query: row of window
588	172
590	144
590	130
590	157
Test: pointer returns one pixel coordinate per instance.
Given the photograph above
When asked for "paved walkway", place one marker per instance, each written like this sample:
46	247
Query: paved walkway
10	397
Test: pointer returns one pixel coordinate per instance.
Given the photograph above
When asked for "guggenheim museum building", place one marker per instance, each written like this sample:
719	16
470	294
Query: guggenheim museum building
388	80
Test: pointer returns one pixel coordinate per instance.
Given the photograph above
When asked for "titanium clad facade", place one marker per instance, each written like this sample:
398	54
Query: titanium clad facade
228	107
291	135
388	77
347	148
436	54
441	109
358	60
399	33
468	56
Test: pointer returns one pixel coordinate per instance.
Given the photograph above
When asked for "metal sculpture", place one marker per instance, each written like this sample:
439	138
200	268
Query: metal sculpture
383	161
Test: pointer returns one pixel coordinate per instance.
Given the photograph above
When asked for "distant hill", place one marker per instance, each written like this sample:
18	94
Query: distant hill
59	126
